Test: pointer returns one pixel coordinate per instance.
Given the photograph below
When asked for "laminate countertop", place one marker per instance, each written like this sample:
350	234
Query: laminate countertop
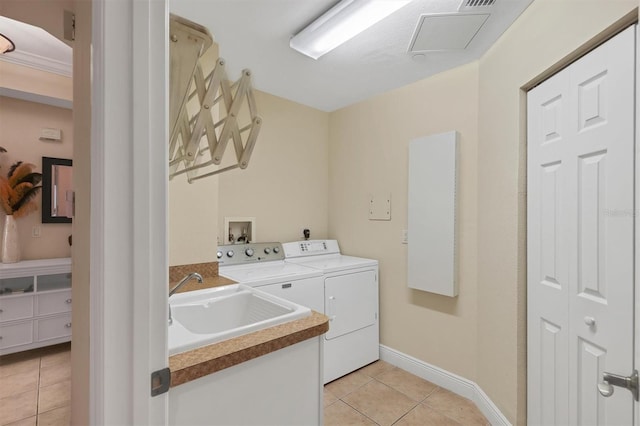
200	362
207	282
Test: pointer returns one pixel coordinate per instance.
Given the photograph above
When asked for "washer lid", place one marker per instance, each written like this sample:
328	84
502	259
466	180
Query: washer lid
334	262
268	273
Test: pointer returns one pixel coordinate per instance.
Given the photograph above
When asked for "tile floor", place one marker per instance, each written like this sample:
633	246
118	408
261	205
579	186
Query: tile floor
35	390
35	387
381	394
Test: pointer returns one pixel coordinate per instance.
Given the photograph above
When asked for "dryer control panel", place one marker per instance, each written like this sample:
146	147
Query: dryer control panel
237	254
310	248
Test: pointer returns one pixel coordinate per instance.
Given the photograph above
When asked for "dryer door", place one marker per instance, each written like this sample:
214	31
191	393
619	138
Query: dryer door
351	302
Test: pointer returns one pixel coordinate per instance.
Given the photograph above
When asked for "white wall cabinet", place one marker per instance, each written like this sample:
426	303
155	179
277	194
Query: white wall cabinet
432	250
35	304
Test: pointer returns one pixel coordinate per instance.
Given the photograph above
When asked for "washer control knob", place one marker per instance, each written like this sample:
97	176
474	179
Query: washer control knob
219	254
267	250
230	253
276	250
249	252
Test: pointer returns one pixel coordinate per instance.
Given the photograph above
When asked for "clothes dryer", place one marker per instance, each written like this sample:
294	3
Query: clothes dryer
350	302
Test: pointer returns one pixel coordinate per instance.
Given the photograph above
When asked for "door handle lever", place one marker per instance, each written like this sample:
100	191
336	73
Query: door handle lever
610	380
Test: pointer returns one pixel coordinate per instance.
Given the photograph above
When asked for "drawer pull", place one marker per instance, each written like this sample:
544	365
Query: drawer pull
68	301
1	311
286	285
68	325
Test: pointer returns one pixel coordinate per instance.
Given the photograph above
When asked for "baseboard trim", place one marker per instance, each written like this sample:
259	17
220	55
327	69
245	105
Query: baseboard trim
452	382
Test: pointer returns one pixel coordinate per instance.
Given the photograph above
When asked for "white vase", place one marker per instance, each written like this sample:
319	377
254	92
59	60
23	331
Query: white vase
10	249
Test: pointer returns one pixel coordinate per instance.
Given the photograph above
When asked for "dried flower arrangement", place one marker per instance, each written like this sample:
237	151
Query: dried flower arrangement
18	190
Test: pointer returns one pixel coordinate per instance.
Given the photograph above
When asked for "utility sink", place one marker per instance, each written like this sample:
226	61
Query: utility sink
209	316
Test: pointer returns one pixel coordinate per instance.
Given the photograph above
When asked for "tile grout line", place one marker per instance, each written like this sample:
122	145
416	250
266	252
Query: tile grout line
405	414
442	413
357	388
358	411
37	355
389	387
422	401
409	396
436	389
375	378
354	390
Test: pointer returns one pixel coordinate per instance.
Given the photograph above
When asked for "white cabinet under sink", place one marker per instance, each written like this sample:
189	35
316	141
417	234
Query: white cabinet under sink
282	388
35	304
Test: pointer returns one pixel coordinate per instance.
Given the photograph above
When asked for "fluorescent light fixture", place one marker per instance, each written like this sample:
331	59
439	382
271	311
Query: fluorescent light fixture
6	45
341	23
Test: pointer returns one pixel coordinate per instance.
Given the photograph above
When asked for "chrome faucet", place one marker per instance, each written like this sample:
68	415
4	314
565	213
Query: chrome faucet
182	282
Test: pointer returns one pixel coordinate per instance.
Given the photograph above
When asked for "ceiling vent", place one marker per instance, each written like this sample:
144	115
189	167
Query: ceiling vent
446	31
467	5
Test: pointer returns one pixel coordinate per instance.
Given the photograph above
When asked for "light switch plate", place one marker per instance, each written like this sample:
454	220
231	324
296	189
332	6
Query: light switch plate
380	206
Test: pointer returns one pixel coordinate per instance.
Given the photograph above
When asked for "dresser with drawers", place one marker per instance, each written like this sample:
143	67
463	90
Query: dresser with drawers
35	304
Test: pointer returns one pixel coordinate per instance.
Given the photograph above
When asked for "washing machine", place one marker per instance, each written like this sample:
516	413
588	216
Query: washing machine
262	265
350	287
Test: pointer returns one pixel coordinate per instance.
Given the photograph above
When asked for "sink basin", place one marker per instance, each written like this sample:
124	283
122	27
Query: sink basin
208	316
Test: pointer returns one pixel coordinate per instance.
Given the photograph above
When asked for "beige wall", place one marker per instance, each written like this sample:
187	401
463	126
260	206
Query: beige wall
480	335
46	14
20	125
369	154
21	122
285	186
193	215
193	207
517	58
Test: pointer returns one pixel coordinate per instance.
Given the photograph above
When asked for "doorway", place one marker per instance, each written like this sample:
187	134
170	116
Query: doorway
580	283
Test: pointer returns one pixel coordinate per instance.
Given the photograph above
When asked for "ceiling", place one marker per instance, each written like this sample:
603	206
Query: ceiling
255	34
36	48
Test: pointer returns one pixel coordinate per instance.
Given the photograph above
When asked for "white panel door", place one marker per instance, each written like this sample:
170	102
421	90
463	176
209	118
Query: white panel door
548	261
580	237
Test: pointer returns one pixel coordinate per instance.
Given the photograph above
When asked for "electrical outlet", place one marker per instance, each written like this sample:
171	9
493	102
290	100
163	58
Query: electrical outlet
405	236
35	232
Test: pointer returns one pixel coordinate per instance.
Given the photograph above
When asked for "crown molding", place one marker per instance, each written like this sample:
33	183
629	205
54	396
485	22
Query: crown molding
38	62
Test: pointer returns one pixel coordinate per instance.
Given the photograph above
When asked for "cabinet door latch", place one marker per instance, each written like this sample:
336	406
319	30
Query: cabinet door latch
160	381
